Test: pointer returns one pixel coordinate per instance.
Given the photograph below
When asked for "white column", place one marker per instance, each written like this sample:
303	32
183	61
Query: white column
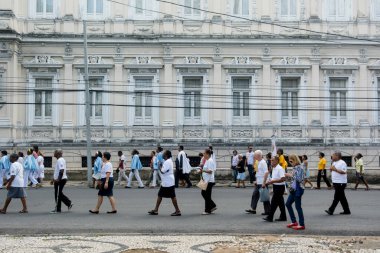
315	91
118	113
68	111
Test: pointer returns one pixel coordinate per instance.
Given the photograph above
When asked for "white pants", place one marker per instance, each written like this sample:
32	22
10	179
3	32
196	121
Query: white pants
137	176
121	176
32	178
155	178
40	173
2	176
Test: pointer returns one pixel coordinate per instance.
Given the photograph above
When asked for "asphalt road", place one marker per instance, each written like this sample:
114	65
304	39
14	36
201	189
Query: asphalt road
230	218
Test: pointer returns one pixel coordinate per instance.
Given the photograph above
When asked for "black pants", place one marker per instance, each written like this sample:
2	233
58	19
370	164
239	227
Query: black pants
178	176
255	200
186	177
252	173
277	201
322	173
59	196
209	203
339	196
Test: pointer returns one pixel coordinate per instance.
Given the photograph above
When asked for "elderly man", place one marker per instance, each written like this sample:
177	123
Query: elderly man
59	181
262	171
278	182
339	179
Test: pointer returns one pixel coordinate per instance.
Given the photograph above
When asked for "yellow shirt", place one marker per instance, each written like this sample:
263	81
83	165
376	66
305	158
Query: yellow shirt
359	164
283	162
322	164
256	165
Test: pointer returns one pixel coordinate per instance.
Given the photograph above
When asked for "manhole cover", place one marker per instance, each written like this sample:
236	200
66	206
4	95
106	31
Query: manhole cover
144	251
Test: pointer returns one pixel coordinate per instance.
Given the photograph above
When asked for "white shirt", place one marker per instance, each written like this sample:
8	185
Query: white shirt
277	173
60	165
262	168
17	170
183	154
124	159
250	156
20	160
167	175
106	168
337	177
40	162
209	166
235	160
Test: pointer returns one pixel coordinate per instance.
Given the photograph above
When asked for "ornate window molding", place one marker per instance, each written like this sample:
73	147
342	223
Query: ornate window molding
293	10
102	12
236	8
142	8
337	10
46	9
2	87
193	14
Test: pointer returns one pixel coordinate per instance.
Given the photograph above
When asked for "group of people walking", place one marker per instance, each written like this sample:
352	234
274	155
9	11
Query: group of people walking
268	171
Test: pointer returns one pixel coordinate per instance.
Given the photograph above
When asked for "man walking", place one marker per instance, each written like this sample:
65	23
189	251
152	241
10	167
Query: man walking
183	165
60	179
262	169
5	166
339	179
322	171
249	162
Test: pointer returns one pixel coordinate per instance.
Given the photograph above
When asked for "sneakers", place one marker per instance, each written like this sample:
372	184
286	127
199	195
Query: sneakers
213	209
329	212
299	227
55	211
70	206
206	213
294	224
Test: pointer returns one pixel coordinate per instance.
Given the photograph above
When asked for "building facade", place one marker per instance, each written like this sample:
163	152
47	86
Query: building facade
226	72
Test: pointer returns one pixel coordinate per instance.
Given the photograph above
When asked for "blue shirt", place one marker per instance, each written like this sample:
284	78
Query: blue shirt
136	163
155	163
160	160
98	165
30	163
5	163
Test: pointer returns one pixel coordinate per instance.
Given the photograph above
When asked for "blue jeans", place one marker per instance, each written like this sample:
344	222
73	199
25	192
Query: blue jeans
251	173
291	199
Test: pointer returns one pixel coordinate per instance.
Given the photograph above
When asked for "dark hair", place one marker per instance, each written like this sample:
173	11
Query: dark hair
107	155
322	154
4	152
304	157
280	150
35	148
119	153
200	154
208	151
167	154
210	147
135	152
99	154
159	149
29	151
20	154
13	157
269	155
180	147
153	152
358	156
235	151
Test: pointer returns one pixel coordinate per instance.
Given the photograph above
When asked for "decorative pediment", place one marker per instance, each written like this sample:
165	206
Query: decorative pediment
143	62
43	61
338	63
242	62
290	62
94	61
193	62
375	65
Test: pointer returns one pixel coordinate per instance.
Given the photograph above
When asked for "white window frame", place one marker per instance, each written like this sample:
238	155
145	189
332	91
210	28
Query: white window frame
2	87
378	99
241	119
347	7
194	13
146	95
338	119
145	14
240	12
290	119
43	119
32	6
94	16
32	120
375	5
96	120
192	119
288	16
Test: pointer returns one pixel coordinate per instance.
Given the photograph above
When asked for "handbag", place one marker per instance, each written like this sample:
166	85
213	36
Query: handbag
202	184
264	194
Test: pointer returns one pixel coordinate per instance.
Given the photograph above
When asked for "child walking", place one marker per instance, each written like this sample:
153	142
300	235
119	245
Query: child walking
241	172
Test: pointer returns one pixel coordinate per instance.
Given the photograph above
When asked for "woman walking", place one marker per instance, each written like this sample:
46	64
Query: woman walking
359	166
208	175
106	185
136	166
167	189
296	191
234	163
154	165
305	165
97	168
241	172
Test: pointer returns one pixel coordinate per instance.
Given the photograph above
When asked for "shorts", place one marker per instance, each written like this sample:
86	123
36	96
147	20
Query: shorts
16	193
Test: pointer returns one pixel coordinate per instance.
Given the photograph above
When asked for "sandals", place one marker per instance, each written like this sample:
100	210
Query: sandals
2	211
152	212
94	212
114	211
23	211
176	214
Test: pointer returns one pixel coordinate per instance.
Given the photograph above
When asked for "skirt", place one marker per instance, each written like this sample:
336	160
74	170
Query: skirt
359	176
106	192
241	176
16	193
307	174
167	192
